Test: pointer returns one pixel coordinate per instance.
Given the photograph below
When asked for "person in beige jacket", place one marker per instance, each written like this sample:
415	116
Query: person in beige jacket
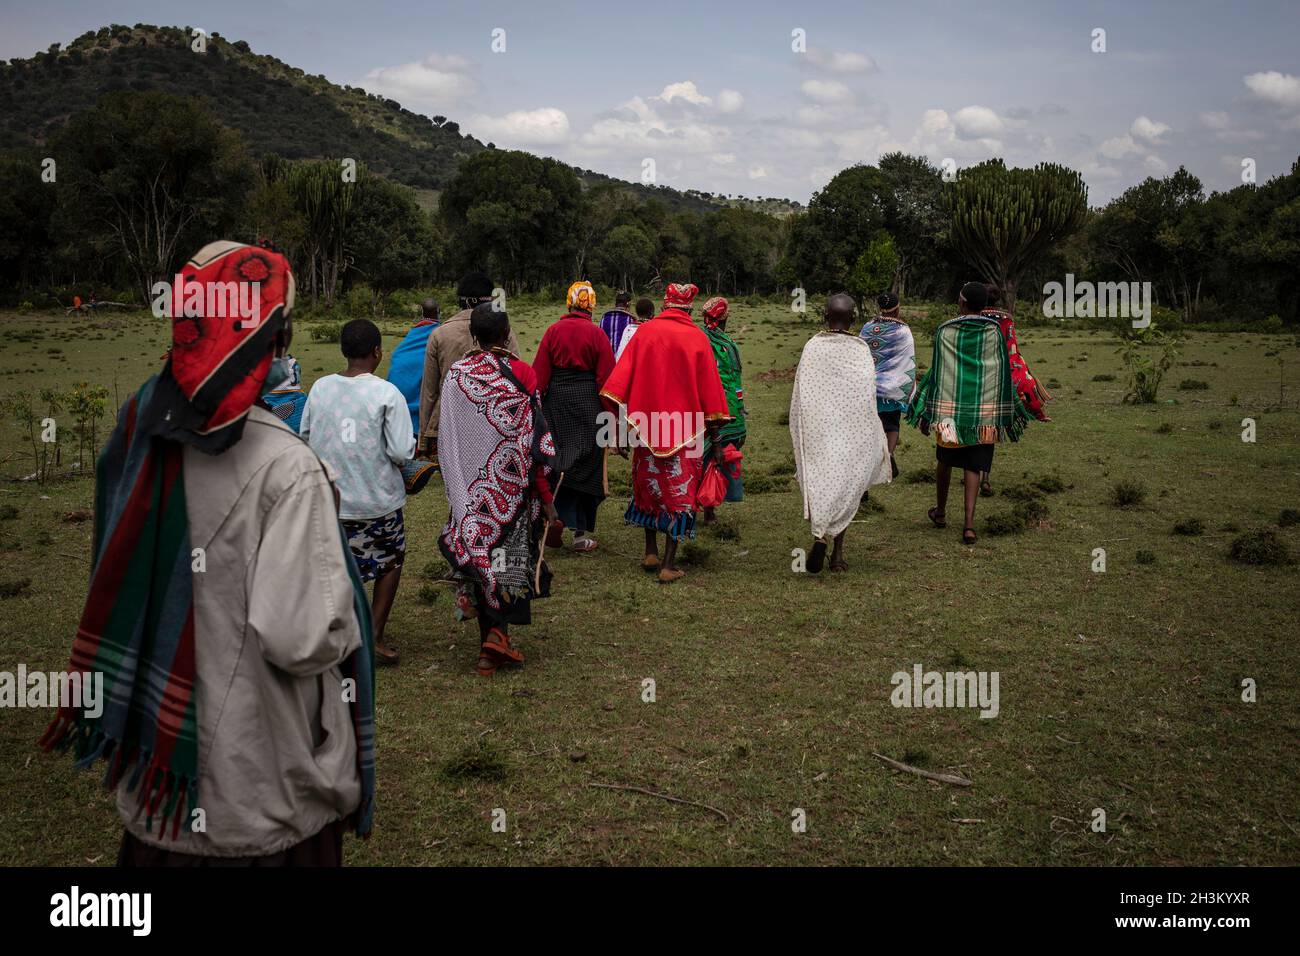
449	343
231	732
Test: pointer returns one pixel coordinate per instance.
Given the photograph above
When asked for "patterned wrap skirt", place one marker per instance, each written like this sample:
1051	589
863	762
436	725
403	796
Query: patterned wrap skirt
377	544
664	490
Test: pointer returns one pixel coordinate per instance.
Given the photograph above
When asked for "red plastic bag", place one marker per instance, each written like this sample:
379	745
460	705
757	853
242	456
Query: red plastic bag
713	484
713	487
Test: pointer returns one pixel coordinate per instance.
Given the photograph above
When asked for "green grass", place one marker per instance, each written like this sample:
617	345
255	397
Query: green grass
1119	690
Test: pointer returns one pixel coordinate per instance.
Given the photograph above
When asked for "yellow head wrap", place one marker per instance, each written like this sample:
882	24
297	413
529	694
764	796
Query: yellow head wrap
582	297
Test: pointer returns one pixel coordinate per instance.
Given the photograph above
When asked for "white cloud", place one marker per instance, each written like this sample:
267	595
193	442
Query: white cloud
1148	130
758	172
1155	165
826	91
976	122
685	91
436	81
842	61
1280	89
546	126
1215	120
729	101
1120	146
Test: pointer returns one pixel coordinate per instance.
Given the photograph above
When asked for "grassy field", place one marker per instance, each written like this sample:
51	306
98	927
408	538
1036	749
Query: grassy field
1119	690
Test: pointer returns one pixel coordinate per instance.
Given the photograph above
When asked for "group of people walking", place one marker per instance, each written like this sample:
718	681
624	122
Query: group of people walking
227	607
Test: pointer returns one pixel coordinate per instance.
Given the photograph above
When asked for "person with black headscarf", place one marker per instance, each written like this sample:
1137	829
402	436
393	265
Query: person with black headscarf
449	343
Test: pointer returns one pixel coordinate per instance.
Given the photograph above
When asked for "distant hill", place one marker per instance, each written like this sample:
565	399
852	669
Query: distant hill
278	108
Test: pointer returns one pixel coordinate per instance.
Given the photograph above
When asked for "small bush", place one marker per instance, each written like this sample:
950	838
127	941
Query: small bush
1166	428
8	513
1048	484
1004	522
1145	557
1128	494
1192	385
695	554
428	593
10	589
1260	547
783	468
1288	517
478	761
1018	492
326	332
919	476
725	530
1190	527
1033	512
1103	378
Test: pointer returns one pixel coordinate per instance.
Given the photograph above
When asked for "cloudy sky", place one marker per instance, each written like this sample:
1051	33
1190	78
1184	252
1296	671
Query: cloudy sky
766	98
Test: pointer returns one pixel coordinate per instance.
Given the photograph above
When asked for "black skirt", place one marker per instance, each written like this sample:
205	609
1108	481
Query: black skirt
969	457
572	406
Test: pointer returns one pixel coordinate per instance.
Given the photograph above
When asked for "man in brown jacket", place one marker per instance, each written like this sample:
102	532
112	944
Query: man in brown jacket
449	343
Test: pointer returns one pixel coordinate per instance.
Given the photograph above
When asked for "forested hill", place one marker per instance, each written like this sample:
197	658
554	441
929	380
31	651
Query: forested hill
278	108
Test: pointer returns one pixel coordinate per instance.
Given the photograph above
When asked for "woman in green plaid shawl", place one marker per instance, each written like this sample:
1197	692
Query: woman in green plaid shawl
968	400
728	358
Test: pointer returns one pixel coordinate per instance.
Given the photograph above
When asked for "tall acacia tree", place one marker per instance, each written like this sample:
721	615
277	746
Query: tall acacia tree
1004	220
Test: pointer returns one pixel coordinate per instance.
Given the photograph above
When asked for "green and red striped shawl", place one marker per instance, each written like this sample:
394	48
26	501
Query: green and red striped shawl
967	395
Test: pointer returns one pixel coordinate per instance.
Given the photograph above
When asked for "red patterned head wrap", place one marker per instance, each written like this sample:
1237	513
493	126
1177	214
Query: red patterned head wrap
680	295
228	305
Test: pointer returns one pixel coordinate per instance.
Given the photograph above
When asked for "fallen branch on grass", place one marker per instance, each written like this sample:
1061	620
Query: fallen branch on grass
662	796
951	778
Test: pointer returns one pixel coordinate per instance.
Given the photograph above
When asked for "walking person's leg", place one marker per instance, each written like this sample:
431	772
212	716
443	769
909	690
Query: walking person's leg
381	603
972	495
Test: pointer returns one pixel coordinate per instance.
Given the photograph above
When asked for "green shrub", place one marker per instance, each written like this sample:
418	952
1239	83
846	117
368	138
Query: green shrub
1103	378
1192	385
1190	527
1004	522
1288	517
1127	494
428	592
1145	557
1048	484
478	761
725	530
326	331
1261	547
1033	512
919	476
10	589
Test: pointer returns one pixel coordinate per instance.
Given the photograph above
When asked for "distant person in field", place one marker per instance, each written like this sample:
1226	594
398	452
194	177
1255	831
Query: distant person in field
967	399
894	352
360	426
1031	391
733	431
573	361
224	610
406	371
645	311
839	442
284	394
448	343
495	449
667	380
615	321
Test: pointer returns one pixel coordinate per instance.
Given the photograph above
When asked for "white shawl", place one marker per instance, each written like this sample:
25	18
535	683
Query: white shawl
839	444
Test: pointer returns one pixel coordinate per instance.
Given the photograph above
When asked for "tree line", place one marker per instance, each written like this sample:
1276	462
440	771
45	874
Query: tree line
144	178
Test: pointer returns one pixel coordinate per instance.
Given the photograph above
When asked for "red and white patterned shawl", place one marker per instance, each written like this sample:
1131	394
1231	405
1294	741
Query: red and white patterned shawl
486	451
